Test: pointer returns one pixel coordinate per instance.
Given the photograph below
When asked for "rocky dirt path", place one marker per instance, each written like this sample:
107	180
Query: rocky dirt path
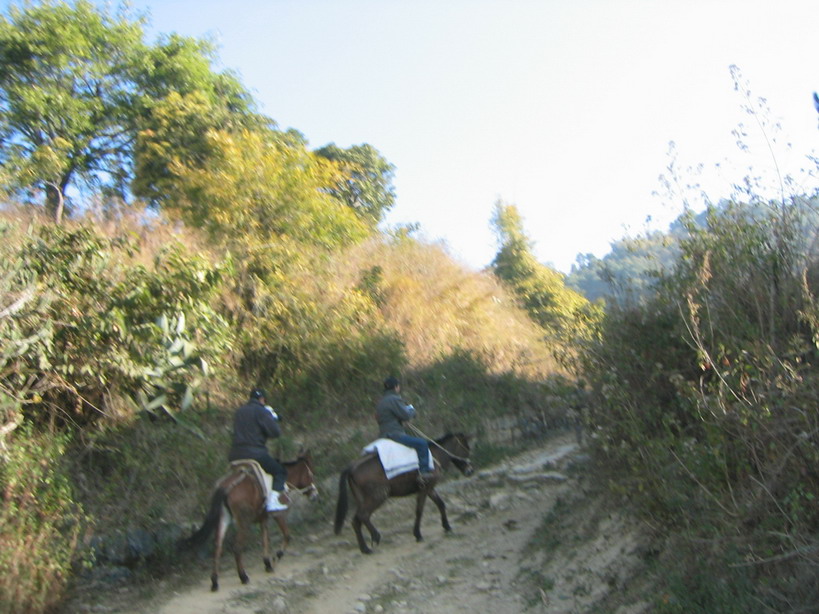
525	538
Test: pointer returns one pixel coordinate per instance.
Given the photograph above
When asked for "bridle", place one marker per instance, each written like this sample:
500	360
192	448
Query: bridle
311	490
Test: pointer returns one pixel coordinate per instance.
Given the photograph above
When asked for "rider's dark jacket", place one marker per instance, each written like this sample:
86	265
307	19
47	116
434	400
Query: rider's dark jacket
253	425
391	413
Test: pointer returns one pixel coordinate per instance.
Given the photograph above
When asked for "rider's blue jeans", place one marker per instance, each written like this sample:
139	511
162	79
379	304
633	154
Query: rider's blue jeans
421	446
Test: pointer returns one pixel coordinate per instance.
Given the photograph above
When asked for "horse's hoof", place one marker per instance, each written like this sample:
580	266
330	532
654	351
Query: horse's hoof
365	549
279	554
268	566
243	577
418	538
214	583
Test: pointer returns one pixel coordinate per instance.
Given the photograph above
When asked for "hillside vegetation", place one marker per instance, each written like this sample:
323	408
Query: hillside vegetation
163	248
705	396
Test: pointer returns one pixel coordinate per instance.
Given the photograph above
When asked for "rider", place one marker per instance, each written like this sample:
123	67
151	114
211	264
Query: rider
253	424
391	413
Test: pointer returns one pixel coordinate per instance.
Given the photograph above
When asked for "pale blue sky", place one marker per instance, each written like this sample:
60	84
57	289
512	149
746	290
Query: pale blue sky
563	107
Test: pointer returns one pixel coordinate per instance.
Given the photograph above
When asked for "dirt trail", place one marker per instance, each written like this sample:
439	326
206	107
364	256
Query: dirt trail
525	539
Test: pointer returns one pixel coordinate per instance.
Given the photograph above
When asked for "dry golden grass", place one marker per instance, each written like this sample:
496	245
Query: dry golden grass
438	306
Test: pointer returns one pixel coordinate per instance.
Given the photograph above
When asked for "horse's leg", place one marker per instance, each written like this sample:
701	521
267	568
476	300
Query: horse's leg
436	499
362	516
375	536
362	545
221	529
241	537
268	565
281	520
419	512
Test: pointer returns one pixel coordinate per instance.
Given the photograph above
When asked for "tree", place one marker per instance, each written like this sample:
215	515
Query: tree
63	81
541	289
78	85
629	272
182	100
262	188
365	181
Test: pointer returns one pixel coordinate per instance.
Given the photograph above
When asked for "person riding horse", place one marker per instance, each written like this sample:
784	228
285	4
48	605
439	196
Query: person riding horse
392	412
253	424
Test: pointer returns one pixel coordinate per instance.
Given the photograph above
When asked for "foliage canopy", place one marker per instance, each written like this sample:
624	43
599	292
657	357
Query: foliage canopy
78	85
561	311
365	181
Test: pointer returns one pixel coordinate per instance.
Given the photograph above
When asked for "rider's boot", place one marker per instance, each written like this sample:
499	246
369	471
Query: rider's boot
277	501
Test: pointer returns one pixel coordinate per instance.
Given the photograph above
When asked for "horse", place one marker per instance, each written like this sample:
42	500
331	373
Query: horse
371	488
239	496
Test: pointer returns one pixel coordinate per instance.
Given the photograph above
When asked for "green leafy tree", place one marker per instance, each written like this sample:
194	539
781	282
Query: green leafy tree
82	325
365	180
63	84
541	289
262	189
78	85
182	99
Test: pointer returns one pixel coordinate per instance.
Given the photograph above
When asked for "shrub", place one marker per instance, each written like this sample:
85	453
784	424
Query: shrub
95	333
706	395
39	523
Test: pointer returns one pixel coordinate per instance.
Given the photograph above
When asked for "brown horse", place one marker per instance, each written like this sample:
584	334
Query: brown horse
371	488
240	497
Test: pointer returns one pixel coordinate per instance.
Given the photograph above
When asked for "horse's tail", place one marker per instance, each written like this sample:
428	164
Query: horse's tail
341	507
196	540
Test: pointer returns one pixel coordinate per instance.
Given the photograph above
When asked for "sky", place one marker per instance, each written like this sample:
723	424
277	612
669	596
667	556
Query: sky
565	108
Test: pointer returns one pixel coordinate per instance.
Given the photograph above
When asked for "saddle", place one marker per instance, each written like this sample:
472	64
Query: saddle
251	467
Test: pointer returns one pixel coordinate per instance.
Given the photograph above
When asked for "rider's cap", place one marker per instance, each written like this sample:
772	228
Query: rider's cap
390	383
258	393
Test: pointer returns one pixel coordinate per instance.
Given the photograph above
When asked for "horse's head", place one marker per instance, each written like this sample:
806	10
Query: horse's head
457	446
300	475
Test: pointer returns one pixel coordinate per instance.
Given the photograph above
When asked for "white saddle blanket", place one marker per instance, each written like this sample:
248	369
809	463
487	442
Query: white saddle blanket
396	458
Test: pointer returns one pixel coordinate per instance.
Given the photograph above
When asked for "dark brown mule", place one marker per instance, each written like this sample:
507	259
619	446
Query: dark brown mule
240	497
371	488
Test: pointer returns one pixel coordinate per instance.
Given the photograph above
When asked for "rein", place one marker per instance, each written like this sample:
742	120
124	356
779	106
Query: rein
435	443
